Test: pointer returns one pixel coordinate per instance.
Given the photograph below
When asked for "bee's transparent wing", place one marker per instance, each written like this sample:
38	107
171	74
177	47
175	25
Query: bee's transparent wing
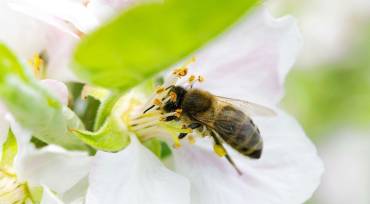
250	108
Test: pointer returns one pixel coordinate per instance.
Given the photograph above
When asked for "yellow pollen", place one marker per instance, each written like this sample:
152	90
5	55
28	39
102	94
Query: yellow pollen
200	78
191	139
37	64
191	78
183	71
157	102
219	150
176	145
173	96
160	90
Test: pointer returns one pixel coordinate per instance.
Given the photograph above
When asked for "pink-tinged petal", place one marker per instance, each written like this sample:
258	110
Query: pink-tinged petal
105	9
13	28
288	172
251	61
59	89
59	51
135	176
65	14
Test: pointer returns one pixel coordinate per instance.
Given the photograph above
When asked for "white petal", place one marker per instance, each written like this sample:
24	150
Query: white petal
288	171
59	89
135	176
49	198
53	166
252	59
40	37
105	9
60	51
4	125
12	32
58	13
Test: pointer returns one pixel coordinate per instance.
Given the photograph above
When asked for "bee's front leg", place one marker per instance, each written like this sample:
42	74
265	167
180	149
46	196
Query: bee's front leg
193	126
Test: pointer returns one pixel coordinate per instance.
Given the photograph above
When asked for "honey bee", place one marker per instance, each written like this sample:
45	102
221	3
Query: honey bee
228	120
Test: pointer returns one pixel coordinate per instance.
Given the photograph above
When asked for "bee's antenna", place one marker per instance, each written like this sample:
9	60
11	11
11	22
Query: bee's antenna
218	142
148	109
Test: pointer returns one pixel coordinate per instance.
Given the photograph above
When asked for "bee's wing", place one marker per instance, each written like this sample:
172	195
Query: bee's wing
250	108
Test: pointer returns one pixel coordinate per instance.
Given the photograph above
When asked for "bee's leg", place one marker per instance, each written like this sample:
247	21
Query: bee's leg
219	143
191	126
148	109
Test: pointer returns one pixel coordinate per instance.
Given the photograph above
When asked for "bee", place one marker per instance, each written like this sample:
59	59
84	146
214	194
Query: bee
227	119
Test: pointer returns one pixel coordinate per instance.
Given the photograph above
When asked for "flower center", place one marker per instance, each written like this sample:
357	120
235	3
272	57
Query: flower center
156	119
38	64
11	190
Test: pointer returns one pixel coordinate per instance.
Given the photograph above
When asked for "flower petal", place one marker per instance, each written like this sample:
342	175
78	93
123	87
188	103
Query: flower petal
288	171
51	166
14	26
58	88
4	125
60	13
49	198
135	176
40	38
252	59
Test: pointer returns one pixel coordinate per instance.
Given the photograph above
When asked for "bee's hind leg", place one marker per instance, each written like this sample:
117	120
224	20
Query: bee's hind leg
218	144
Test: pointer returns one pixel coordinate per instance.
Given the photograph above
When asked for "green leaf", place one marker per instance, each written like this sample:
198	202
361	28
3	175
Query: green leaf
110	137
151	37
154	145
10	150
33	106
113	135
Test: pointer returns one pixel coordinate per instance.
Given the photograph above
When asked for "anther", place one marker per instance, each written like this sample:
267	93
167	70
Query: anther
200	78
181	72
191	139
160	90
157	102
191	78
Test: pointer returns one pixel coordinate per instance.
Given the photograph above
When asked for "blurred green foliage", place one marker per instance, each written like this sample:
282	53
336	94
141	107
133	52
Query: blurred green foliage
149	38
333	95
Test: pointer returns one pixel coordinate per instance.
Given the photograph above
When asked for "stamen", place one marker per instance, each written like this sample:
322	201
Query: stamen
37	64
219	150
11	191
160	89
200	78
157	102
191	78
180	72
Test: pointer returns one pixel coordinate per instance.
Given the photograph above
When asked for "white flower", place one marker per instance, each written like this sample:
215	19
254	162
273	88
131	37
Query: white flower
51	168
250	63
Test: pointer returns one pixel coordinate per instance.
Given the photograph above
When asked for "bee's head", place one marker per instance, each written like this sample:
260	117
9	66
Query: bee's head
178	96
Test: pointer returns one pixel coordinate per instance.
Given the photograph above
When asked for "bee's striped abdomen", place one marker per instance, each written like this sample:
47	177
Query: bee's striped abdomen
239	131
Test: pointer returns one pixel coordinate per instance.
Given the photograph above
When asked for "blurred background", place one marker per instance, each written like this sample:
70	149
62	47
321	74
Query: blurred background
329	92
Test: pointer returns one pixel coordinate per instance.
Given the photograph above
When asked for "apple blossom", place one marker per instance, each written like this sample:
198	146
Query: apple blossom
250	62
